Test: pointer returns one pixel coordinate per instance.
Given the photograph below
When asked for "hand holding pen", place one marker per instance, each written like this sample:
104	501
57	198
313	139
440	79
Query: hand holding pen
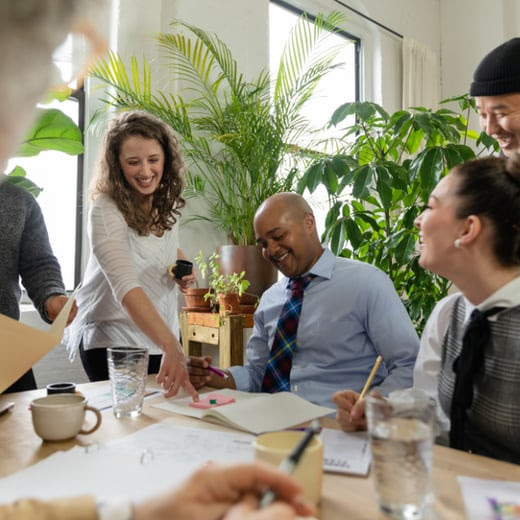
351	411
289	464
203	373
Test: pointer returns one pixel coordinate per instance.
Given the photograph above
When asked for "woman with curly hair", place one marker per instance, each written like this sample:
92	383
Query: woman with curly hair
126	297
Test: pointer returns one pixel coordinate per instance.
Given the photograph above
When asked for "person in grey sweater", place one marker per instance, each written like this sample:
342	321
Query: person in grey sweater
26	254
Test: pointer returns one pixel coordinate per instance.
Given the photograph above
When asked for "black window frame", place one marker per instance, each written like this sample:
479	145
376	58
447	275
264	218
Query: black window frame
355	39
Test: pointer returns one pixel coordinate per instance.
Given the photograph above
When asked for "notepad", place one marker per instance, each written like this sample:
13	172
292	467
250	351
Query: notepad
253	412
345	452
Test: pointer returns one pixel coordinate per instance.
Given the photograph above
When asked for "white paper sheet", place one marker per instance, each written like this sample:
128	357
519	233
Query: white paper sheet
345	452
490	499
139	465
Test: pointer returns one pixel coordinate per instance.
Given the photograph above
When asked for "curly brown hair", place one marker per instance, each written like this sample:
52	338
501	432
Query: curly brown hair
166	200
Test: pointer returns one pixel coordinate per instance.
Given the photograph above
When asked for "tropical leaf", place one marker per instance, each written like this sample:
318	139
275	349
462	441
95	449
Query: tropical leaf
53	130
18	177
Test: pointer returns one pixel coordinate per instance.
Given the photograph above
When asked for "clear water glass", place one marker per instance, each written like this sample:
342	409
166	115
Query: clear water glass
127	368
402	430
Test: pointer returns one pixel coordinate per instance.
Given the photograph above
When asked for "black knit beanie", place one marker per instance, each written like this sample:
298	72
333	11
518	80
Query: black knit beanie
499	72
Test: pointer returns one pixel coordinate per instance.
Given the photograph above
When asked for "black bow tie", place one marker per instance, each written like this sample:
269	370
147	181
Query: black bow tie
465	367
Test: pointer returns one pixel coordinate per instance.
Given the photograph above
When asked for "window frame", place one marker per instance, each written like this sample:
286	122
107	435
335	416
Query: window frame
79	95
355	39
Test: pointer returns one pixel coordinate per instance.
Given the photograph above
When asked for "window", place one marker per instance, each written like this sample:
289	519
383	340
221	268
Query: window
339	86
61	177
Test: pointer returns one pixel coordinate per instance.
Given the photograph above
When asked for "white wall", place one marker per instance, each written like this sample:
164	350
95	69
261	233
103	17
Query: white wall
469	30
417	19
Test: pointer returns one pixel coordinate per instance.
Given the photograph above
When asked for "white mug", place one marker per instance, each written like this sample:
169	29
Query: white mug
59	417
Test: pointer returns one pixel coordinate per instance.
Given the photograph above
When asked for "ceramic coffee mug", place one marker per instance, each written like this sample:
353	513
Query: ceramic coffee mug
180	268
274	447
60	417
61	388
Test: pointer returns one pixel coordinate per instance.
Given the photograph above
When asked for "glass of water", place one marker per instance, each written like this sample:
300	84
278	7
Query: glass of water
127	369
402	430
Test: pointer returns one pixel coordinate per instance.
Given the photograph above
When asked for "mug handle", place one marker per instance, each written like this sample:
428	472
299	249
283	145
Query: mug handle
98	420
170	270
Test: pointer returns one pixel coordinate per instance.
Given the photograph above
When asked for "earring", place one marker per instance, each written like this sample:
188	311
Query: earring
457	243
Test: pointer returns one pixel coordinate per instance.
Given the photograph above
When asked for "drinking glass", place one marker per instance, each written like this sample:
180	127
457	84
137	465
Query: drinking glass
401	430
127	368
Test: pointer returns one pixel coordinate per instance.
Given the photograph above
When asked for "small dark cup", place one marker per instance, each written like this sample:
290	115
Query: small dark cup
180	268
61	388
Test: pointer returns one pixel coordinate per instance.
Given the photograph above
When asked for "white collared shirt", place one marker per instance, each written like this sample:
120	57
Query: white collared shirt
428	363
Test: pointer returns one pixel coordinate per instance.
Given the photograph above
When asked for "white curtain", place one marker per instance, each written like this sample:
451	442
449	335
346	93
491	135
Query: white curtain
421	75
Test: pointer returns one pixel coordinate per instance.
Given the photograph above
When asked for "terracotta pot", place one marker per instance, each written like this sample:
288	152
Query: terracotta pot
195	299
229	303
260	273
248	299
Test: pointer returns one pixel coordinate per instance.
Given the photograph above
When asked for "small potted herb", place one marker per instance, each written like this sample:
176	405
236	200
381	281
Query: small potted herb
226	289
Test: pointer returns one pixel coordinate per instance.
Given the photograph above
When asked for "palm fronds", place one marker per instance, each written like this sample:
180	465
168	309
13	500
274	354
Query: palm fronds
239	135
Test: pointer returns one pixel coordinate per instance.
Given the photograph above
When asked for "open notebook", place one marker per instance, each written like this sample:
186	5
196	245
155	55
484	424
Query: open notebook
252	412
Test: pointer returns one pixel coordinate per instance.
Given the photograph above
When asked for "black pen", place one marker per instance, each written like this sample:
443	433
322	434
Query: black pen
289	463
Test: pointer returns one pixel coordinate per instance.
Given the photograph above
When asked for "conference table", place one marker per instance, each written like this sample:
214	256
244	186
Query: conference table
343	496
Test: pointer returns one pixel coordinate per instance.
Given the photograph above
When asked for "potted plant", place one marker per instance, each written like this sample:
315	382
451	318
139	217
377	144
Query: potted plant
240	136
380	181
226	289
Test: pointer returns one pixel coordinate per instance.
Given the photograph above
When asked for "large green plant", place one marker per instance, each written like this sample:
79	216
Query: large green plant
239	135
379	182
52	130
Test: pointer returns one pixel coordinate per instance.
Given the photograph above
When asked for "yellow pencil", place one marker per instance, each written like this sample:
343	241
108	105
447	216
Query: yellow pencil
370	377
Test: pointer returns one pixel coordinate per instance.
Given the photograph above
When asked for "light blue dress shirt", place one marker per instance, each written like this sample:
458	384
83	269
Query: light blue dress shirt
350	314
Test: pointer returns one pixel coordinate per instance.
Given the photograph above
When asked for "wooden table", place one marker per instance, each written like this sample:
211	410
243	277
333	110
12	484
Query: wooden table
225	332
343	497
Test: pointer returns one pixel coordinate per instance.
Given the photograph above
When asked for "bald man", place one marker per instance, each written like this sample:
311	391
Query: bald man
350	314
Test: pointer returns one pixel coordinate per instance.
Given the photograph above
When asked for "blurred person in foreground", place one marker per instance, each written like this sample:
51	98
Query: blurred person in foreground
469	358
30	30
25	250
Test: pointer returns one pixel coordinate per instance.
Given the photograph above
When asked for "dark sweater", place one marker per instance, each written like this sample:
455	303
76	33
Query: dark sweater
25	252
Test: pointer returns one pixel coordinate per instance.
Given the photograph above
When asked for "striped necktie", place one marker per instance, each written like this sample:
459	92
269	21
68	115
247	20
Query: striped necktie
278	369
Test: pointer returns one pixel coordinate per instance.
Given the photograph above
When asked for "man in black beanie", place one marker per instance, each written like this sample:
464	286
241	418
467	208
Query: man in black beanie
496	87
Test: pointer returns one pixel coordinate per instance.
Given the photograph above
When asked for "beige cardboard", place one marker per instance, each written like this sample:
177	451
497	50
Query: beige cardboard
21	346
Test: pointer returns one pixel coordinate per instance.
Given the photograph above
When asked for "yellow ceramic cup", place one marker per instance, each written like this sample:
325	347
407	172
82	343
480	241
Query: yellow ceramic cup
274	447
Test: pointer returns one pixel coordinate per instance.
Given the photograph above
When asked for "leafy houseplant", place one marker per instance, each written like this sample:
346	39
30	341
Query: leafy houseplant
224	288
241	137
379	182
53	130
